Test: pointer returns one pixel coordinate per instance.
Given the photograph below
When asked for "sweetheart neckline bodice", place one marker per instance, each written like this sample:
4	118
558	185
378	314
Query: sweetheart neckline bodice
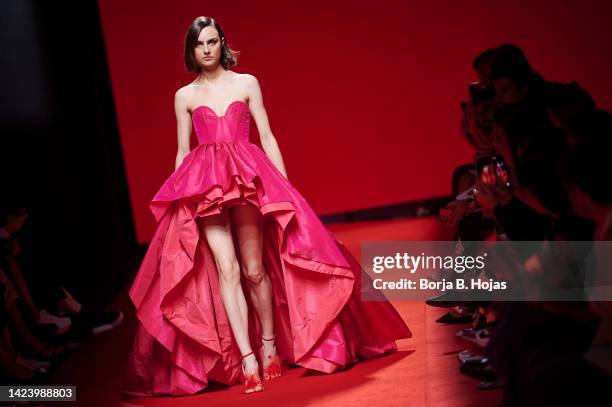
226	109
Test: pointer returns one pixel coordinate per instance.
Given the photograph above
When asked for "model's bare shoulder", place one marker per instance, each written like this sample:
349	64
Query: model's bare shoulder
183	96
251	84
184	92
249	78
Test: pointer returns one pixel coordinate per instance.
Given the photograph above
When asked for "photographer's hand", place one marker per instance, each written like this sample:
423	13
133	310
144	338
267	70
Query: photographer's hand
475	118
455	211
489	196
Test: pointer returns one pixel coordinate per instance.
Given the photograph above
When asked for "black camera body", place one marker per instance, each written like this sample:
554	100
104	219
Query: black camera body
479	93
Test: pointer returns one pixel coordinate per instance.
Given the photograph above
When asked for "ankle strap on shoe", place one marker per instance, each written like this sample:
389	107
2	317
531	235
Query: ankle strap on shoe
248	354
266	339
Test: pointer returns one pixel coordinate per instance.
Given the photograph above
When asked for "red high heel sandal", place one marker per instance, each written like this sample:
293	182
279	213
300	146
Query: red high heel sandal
273	370
252	382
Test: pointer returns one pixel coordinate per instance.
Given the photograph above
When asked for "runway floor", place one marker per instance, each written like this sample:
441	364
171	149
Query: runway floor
424	372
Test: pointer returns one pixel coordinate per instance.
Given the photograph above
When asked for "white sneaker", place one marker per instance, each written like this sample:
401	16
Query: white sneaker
63	324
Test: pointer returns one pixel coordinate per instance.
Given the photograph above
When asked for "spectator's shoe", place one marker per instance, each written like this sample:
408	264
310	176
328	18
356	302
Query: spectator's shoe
491	384
451	298
107	322
71	346
476	361
478	336
466	356
48	352
45	331
39	377
445	300
63	324
452	318
68	305
33	364
480	371
476	358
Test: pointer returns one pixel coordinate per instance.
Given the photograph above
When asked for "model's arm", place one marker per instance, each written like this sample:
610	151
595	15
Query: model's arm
258	111
183	126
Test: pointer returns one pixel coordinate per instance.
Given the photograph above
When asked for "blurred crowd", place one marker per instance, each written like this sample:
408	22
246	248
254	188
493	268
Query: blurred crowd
41	321
539	174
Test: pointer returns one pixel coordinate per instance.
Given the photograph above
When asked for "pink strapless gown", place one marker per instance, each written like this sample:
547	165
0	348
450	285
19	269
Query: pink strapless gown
184	338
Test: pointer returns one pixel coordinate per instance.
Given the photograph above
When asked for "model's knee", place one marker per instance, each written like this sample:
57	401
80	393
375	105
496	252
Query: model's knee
229	271
254	272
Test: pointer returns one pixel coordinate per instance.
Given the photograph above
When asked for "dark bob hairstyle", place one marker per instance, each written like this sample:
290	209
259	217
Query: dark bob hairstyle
229	57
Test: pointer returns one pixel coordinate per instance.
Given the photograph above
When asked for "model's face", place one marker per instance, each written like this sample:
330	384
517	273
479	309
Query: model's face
208	48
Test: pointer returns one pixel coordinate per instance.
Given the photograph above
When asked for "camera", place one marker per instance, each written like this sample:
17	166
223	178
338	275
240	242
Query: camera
479	93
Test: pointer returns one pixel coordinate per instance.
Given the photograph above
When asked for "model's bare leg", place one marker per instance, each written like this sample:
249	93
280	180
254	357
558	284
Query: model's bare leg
249	228
218	235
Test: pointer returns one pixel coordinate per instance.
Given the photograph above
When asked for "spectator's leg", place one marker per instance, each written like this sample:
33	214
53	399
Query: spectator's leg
32	346
22	290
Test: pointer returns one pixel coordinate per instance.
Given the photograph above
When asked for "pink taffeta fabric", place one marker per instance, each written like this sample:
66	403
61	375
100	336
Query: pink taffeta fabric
184	339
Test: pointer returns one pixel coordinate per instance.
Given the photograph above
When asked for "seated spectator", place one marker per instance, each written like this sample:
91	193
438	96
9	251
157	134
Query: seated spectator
513	77
12	220
586	127
477	124
565	101
30	353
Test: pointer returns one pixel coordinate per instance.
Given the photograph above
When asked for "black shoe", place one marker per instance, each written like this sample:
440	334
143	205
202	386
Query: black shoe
483	372
465	354
45	331
449	318
491	384
478	361
447	299
478	336
469	357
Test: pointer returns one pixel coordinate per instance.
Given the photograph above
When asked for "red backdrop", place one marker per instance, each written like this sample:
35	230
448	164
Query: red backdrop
362	96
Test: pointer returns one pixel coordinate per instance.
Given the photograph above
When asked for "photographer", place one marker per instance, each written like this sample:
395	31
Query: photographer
476	122
476	127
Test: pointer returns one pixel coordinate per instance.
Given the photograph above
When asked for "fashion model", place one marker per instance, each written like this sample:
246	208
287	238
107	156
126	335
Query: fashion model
241	278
